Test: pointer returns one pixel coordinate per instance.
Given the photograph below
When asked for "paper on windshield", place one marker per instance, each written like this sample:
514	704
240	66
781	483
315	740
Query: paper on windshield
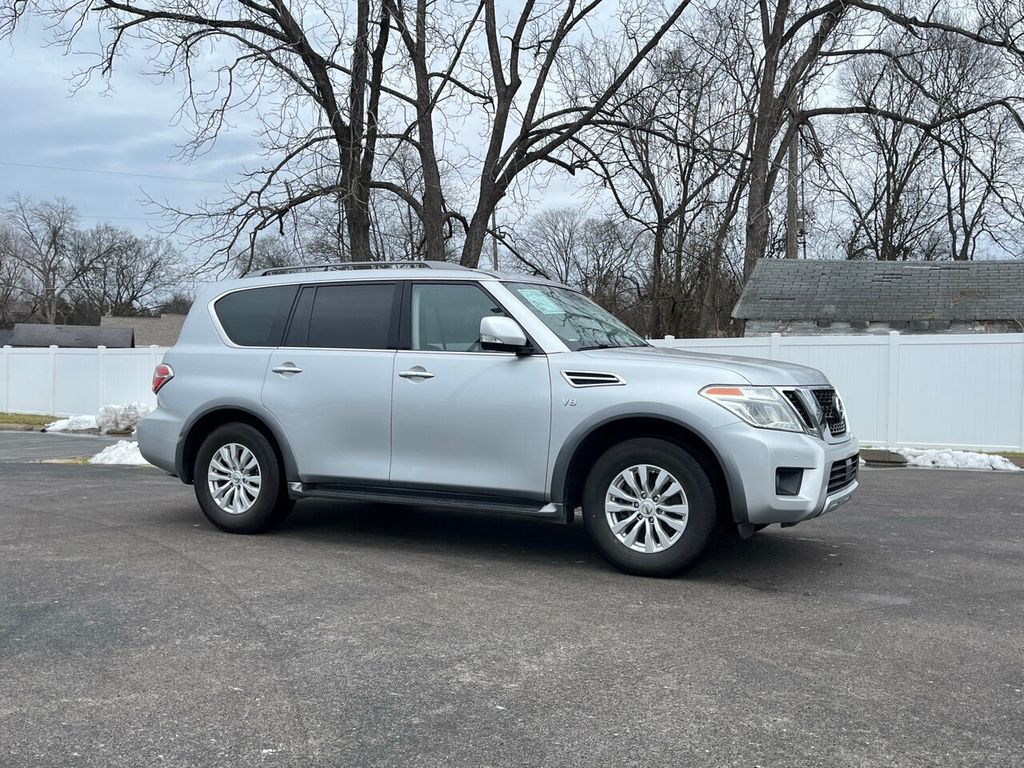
541	301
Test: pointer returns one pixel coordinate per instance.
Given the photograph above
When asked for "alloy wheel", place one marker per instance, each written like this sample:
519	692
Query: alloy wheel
234	478
646	508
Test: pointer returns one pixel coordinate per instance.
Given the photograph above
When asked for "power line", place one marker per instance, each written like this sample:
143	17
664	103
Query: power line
119	218
108	173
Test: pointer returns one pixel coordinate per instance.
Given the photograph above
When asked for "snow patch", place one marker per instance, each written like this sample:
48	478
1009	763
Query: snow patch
121	418
949	459
72	424
111	418
121	452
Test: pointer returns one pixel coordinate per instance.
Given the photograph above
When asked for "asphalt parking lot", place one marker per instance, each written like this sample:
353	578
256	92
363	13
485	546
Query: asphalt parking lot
134	634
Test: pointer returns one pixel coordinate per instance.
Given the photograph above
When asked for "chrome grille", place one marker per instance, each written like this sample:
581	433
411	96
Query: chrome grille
794	399
832	410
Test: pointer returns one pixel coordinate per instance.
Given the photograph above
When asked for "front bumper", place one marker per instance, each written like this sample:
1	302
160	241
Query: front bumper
756	454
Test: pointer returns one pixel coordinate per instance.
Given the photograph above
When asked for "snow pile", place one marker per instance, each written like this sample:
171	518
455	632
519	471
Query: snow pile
949	459
121	418
122	452
72	424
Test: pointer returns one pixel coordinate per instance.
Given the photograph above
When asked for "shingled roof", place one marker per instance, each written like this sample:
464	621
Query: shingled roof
879	291
42	335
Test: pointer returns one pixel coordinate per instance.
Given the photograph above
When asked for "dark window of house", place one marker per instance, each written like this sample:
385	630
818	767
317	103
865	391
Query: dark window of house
351	316
256	317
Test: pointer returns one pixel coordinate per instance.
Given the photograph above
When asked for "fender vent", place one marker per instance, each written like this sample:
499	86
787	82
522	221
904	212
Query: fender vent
592	379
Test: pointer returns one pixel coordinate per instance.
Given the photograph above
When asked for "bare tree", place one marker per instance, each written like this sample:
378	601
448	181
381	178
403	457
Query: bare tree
879	168
121	273
312	73
40	244
801	41
10	276
907	191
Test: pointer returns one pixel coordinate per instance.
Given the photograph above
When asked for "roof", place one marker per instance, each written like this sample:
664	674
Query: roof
5	337
161	331
41	335
879	291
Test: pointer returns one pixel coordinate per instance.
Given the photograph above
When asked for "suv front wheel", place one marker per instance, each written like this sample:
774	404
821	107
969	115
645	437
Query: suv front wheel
238	480
649	507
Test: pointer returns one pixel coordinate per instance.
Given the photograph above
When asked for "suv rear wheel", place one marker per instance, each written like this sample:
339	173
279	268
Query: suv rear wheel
238	480
649	507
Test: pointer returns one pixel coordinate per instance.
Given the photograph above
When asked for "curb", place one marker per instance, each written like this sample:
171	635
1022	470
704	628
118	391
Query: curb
882	457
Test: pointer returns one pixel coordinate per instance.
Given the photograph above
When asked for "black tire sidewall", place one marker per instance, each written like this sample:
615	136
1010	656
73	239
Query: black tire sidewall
699	495
272	501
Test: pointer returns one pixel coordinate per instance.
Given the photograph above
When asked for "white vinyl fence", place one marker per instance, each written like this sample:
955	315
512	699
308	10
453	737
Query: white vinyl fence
953	391
63	382
944	391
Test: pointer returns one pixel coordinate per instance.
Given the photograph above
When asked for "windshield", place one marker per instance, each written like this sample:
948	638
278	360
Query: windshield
575	319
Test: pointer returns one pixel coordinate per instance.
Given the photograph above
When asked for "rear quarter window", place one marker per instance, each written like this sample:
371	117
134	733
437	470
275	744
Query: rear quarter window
256	317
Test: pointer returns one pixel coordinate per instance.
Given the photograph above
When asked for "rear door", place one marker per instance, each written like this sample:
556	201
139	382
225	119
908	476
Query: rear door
329	384
465	419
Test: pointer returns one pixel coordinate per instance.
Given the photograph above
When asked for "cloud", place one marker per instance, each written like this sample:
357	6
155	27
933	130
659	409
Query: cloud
124	126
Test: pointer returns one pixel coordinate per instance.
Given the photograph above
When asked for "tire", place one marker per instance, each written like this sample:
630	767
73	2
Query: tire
670	529
224	460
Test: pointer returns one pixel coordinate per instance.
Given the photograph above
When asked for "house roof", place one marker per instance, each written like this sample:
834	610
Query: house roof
784	289
162	330
42	335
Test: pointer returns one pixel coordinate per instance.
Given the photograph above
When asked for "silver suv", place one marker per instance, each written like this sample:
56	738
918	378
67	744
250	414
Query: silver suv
432	384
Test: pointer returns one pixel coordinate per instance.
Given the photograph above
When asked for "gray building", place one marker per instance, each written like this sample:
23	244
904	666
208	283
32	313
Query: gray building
44	335
797	297
161	330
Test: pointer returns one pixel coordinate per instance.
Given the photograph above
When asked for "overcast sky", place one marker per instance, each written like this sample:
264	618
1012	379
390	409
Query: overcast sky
102	132
109	145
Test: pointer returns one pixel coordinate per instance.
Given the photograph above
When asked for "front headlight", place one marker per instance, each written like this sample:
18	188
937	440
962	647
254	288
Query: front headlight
758	406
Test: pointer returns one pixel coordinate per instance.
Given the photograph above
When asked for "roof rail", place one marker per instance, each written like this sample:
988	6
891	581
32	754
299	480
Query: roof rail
407	263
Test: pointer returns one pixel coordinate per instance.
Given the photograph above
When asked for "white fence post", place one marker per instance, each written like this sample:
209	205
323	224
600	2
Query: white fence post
775	346
893	383
7	378
101	361
1021	446
53	379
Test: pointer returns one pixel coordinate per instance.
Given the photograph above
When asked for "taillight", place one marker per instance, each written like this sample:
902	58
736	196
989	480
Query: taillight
161	375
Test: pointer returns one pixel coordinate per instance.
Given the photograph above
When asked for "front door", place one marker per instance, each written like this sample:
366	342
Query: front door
462	418
330	384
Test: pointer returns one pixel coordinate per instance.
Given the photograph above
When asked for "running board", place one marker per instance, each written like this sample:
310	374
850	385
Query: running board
429	498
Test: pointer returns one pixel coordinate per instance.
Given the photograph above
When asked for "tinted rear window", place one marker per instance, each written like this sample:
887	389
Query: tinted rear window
256	317
351	316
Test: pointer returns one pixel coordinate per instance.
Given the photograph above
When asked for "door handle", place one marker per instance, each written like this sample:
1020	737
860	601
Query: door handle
287	368
416	374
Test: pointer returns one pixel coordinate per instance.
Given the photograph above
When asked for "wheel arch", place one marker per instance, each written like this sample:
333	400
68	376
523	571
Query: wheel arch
213	416
593	438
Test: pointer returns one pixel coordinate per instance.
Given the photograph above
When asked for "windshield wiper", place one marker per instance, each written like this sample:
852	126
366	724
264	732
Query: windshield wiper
611	346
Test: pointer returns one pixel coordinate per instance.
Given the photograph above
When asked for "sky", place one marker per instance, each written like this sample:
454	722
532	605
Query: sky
105	147
110	145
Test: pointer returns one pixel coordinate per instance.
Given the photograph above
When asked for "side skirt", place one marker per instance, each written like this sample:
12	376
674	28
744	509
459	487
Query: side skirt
443	499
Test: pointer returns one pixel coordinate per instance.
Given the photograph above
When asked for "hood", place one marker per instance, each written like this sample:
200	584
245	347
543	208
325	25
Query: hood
730	368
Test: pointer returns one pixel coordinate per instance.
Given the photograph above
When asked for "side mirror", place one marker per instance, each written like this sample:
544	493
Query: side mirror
501	334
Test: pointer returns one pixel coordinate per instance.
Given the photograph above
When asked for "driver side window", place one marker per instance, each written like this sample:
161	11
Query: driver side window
446	317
